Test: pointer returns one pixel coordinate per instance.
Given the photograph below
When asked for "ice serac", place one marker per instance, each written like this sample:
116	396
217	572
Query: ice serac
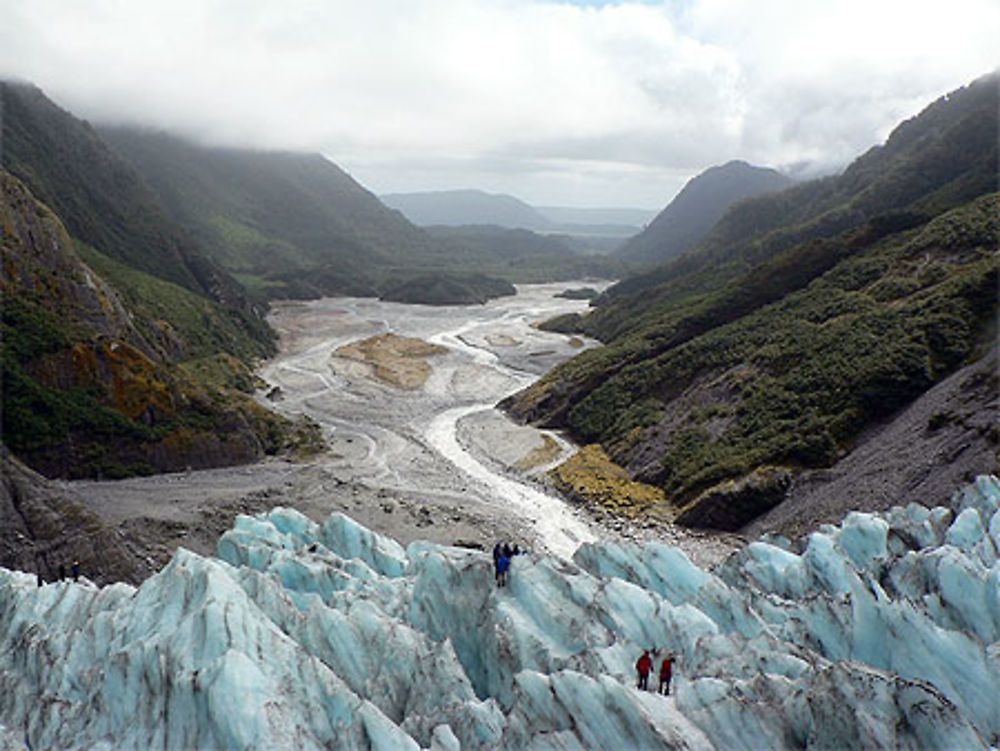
880	633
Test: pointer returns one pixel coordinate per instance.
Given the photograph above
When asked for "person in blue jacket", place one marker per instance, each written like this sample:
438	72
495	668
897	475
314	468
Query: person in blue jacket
503	563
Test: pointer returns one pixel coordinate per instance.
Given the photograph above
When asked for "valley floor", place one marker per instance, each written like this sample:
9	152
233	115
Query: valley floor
433	462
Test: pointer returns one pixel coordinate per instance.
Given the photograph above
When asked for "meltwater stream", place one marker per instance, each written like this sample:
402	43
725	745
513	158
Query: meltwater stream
560	530
409	440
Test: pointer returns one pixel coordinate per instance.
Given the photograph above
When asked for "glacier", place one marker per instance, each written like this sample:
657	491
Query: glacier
882	632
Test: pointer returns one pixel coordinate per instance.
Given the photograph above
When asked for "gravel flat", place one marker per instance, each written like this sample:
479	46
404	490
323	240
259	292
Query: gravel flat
431	461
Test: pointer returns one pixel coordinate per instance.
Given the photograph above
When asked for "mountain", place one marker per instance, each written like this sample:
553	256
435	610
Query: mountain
572	216
288	224
593	231
699	205
296	225
124	348
877	633
445	288
520	255
803	319
104	203
99	380
458	207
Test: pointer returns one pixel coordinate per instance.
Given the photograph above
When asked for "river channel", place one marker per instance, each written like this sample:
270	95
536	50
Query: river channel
440	440
417	453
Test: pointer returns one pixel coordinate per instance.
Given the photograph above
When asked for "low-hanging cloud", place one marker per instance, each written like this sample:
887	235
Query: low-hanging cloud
553	101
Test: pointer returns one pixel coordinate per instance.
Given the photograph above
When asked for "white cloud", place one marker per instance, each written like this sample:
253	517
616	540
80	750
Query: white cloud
554	102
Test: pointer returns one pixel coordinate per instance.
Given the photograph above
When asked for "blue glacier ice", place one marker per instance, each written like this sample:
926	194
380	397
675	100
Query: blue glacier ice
883	632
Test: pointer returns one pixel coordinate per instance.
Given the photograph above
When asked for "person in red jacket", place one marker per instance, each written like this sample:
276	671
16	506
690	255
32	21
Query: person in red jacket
644	666
666	671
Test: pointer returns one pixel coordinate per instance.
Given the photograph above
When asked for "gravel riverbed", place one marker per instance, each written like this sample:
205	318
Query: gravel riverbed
432	460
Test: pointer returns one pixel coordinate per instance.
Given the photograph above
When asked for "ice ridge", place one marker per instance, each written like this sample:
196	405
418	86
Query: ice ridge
881	632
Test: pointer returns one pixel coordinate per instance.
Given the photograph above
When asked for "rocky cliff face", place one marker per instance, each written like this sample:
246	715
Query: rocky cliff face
39	261
45	527
90	386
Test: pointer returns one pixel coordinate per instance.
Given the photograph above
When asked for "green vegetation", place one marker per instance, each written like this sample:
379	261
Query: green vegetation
296	226
579	293
519	255
65	419
292	225
184	324
104	203
90	381
37	419
447	289
807	374
803	318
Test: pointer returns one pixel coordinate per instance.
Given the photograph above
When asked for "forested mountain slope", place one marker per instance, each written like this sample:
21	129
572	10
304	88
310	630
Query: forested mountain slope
290	224
104	203
699	205
803	318
124	348
522	256
296	225
935	161
96	381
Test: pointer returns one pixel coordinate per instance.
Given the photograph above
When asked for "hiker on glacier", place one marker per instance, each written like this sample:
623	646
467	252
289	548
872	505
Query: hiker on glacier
644	666
666	671
503	563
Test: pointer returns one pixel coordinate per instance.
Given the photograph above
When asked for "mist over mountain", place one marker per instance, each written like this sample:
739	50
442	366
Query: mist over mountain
568	216
595	230
699	205
289	224
104	203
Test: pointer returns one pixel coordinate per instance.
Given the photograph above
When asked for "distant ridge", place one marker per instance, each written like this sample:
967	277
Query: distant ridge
699	205
460	208
572	215
454	208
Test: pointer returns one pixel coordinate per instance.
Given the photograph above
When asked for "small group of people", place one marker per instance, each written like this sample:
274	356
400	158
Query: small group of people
644	666
503	553
74	569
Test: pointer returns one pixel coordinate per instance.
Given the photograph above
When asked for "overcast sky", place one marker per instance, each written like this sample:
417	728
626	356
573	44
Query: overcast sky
558	103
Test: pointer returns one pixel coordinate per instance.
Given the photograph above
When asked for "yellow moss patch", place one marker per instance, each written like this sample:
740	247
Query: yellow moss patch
591	476
84	364
399	361
547	452
501	340
135	386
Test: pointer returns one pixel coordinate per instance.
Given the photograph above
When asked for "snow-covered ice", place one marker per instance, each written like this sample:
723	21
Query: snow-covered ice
880	633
